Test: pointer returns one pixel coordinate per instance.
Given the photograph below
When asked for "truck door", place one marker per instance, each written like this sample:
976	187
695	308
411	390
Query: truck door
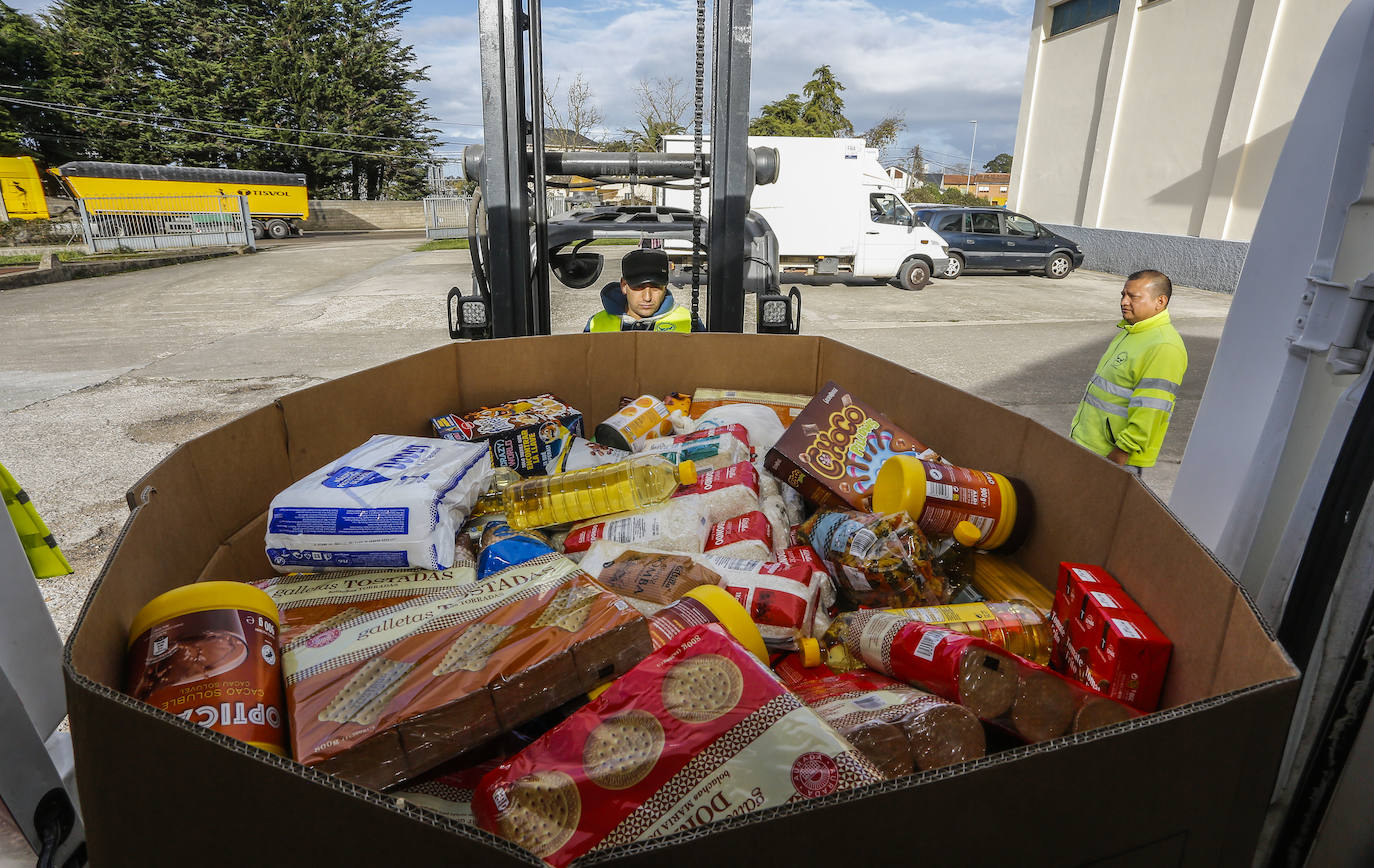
886	238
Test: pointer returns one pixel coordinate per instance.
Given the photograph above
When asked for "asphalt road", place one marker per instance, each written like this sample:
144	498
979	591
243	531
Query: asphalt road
103	377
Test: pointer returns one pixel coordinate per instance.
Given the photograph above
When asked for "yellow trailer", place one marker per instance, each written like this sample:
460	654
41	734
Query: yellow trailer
277	201
21	190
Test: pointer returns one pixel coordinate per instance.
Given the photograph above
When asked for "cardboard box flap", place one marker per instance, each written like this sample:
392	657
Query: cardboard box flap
1249	654
242	556
400	397
767	363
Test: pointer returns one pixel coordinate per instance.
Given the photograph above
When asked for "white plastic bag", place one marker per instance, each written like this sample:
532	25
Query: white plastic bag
393	503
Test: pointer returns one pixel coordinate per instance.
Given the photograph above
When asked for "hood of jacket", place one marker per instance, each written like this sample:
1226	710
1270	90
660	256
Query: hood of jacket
613	300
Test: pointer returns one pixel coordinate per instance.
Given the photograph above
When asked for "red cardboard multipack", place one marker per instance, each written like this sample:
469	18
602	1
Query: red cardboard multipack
1105	640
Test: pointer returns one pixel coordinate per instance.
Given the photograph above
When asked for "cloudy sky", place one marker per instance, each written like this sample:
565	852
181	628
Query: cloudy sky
939	64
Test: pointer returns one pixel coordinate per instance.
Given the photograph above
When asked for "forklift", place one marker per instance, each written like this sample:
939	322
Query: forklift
514	245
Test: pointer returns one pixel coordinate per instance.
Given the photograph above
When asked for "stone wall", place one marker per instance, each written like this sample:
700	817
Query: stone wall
1205	263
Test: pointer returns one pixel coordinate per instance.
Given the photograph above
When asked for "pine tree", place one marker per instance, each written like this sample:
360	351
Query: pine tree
822	114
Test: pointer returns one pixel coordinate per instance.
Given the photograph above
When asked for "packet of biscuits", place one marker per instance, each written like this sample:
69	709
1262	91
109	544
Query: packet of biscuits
699	731
1026	699
381	698
899	728
311	604
878	561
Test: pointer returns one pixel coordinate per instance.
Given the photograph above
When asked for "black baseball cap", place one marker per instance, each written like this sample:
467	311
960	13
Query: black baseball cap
641	266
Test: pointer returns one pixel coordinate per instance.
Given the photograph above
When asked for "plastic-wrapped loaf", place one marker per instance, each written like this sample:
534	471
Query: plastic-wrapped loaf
878	561
392	503
1020	697
699	731
899	728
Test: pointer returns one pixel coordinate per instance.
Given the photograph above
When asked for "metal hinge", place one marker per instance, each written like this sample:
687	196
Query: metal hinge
1334	318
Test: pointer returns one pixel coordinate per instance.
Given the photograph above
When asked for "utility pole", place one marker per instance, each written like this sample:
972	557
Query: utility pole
969	179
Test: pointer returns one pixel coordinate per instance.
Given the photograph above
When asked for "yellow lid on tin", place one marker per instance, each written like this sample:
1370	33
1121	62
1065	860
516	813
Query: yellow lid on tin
202	597
732	616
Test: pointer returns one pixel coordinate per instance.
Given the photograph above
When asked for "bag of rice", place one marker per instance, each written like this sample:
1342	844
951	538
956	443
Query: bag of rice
676	525
708	449
392	503
724	492
744	536
761	422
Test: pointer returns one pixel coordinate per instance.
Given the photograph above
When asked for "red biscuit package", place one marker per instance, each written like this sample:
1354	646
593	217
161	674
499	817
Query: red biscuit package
699	731
312	603
1023	698
899	728
744	536
389	695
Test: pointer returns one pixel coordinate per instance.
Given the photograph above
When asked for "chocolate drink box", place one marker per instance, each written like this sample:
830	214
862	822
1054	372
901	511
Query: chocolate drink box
833	451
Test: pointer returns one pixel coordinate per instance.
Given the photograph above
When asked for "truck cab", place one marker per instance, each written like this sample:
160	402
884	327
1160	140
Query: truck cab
835	212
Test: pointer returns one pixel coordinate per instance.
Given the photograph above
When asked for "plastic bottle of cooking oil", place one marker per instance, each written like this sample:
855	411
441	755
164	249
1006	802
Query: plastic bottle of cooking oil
581	494
954	559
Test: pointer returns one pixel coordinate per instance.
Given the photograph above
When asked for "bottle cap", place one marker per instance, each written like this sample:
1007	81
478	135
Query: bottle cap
967	533
900	486
810	652
687	472
731	615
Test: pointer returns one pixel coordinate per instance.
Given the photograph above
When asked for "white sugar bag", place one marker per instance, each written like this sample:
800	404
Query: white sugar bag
394	502
761	422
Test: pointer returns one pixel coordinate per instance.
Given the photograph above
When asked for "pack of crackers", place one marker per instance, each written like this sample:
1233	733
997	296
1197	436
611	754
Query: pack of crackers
699	731
394	692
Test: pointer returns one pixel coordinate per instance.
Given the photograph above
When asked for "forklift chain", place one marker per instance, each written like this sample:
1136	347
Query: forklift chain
698	102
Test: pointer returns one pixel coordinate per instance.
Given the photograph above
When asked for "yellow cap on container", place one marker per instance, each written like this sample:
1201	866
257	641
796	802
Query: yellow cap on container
687	472
202	597
810	652
900	486
967	533
599	689
732	616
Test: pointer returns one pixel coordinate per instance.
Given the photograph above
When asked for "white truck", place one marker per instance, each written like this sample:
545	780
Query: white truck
834	211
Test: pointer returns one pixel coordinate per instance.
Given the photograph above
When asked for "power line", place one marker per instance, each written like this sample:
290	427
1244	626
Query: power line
214	134
231	123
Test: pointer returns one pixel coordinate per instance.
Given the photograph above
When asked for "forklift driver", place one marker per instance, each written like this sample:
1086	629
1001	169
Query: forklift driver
642	300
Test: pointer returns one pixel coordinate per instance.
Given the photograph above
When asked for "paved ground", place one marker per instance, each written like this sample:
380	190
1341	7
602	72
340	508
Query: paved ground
103	377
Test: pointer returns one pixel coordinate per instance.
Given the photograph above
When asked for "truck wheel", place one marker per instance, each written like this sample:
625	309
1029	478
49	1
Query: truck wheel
259	231
954	267
278	229
1058	266
914	275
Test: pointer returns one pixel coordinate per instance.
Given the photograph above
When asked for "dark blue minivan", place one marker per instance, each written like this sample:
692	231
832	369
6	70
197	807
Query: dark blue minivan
993	238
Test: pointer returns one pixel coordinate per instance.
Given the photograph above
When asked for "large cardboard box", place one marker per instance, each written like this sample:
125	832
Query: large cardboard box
1187	785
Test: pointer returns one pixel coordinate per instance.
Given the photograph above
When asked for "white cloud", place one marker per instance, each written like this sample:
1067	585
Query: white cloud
938	68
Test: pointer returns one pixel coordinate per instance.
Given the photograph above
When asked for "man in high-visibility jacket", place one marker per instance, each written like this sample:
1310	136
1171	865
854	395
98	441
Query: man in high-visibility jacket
642	300
1126	407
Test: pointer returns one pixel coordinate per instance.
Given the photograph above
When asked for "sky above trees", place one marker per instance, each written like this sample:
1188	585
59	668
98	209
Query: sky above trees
939	64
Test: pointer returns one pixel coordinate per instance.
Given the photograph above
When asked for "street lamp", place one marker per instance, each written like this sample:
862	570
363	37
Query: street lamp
970	157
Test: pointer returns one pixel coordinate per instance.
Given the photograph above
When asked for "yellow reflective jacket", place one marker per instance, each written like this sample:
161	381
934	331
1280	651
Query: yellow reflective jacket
677	319
1128	402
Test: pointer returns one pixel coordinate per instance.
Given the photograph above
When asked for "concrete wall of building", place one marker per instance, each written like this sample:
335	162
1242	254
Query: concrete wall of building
1167	117
338	214
1204	263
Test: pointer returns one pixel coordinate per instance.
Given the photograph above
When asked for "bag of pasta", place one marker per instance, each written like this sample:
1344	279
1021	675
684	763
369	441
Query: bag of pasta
877	561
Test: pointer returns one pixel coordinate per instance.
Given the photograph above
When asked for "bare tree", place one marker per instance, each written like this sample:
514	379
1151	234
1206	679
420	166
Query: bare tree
661	104
570	119
884	132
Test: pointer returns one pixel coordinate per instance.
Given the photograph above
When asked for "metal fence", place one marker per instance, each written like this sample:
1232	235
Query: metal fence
447	216
165	222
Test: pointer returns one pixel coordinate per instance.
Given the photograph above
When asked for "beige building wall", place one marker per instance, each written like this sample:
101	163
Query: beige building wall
1167	117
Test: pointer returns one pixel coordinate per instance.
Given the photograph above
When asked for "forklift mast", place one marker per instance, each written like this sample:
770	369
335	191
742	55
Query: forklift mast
509	234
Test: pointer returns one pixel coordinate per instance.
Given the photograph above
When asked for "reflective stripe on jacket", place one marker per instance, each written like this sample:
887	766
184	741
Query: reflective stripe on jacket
1128	402
679	319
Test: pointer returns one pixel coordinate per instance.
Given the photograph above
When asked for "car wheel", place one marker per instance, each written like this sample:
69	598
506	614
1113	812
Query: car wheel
954	267
278	229
1058	266
914	275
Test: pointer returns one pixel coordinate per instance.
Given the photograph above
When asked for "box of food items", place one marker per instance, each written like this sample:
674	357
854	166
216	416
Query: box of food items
827	608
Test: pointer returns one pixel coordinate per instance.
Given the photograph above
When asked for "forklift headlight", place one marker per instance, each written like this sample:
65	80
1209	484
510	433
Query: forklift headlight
469	316
779	314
